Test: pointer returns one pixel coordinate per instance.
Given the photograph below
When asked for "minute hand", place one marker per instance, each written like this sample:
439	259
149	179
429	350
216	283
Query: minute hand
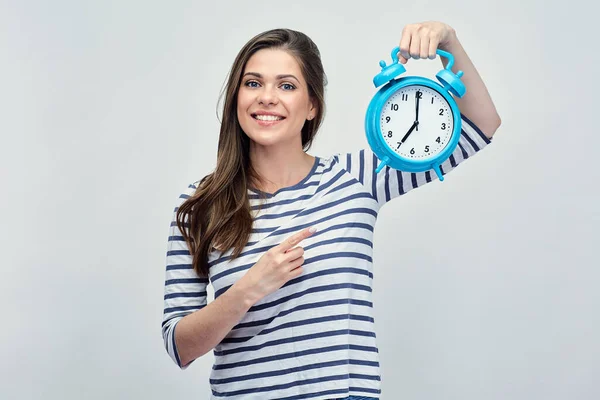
417	97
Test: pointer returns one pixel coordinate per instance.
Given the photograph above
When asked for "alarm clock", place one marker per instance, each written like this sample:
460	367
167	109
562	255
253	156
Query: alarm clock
413	123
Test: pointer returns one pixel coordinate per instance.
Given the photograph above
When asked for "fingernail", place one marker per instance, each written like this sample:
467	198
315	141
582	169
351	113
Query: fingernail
312	229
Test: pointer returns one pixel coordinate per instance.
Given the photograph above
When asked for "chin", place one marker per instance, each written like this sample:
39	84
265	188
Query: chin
265	139
268	137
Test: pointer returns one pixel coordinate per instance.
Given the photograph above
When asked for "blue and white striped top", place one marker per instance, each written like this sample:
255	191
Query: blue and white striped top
314	338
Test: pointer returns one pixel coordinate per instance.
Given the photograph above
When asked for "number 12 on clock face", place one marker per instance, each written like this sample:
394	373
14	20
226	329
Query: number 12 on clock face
416	122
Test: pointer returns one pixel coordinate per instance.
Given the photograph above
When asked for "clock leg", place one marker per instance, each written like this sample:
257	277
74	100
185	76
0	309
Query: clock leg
382	164
438	171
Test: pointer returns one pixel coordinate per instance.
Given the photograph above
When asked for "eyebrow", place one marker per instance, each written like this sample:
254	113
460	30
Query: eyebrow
278	77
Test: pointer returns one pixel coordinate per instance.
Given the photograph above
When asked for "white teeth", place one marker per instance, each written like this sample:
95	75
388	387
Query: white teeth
267	117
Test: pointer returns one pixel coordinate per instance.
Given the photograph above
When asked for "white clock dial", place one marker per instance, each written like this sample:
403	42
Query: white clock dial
413	136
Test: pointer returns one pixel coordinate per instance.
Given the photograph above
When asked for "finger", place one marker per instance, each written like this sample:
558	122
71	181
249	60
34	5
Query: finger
296	272
405	44
415	47
424	48
297	263
433	45
292	254
296	238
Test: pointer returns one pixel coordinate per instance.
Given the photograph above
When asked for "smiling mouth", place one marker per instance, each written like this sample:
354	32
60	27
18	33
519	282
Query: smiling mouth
267	118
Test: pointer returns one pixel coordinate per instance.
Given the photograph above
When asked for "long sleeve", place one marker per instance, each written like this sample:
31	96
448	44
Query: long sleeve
390	183
184	291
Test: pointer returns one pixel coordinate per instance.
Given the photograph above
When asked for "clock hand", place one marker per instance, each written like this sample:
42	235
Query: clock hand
417	97
412	128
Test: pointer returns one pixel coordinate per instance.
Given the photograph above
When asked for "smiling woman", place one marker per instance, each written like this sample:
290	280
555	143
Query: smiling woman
289	322
278	72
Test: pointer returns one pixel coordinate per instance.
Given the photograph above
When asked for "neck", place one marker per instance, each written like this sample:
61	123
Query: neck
279	169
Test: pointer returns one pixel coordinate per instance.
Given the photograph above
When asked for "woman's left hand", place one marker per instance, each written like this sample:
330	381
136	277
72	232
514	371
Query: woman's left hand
423	39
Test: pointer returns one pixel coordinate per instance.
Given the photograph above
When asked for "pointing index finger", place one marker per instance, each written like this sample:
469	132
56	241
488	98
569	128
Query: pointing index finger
297	238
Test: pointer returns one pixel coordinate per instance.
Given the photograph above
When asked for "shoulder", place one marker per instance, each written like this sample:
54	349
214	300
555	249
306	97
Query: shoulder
194	186
348	160
190	190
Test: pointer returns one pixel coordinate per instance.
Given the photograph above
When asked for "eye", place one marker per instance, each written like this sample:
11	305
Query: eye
288	86
251	84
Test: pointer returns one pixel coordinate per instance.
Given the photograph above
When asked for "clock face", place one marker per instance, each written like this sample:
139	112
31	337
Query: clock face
417	122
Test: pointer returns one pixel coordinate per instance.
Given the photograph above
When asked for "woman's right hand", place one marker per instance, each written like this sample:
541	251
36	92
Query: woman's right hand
278	265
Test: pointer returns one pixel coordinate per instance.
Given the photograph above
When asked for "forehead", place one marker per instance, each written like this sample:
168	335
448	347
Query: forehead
273	62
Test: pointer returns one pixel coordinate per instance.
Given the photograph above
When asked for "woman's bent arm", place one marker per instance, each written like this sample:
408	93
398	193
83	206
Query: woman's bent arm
199	332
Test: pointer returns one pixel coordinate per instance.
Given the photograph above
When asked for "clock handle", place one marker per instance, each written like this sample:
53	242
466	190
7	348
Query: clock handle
438	172
441	53
449	79
382	164
395	52
449	56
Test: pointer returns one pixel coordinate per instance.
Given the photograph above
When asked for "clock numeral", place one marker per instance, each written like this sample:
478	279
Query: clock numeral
399	144
387	119
389	134
419	95
432	98
438	139
412	151
443	126
441	111
404	97
394	107
426	149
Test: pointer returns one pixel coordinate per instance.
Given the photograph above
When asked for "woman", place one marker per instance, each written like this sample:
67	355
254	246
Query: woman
291	321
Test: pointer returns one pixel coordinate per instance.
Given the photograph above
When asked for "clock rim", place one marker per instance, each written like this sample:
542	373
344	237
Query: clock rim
381	147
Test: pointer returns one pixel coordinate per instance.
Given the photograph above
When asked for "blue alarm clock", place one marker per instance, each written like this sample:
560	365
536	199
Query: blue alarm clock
413	123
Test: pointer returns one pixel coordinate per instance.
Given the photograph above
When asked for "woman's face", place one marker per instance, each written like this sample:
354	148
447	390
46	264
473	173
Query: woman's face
273	102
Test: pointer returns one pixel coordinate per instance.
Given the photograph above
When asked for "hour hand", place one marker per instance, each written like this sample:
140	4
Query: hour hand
412	128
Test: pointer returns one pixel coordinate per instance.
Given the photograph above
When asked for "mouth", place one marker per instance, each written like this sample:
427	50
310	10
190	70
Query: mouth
267	118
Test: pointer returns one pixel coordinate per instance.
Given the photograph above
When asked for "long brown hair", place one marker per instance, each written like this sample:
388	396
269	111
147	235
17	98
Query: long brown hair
218	215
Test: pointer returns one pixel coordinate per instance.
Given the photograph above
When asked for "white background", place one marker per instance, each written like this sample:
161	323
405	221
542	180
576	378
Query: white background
486	284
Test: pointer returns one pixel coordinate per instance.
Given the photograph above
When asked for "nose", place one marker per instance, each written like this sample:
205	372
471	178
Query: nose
267	95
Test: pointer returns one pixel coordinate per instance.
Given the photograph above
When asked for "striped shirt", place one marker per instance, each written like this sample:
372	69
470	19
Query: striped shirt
315	337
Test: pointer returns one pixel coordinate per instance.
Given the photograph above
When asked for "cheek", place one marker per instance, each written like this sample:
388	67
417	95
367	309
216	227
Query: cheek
294	106
242	116
243	102
240	110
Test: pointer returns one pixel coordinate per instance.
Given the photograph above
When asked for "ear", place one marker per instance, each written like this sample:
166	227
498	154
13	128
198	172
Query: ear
312	110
